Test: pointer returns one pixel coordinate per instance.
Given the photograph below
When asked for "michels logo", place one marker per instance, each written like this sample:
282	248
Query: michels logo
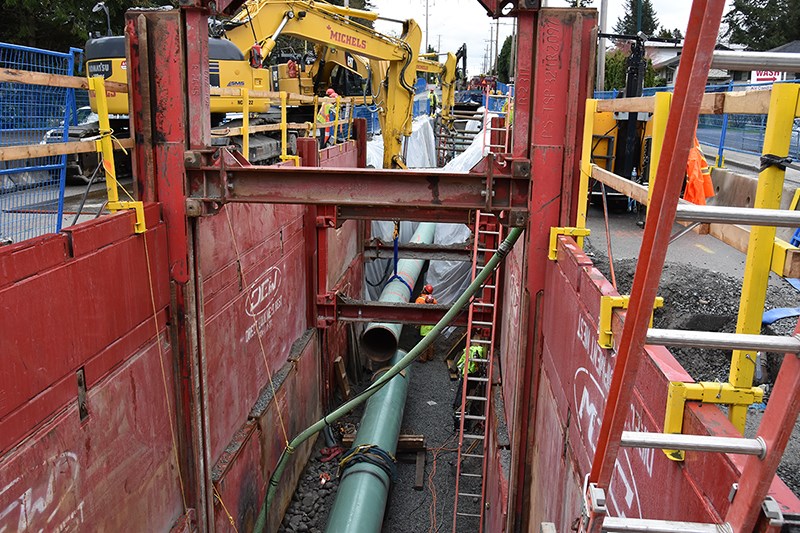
263	292
348	40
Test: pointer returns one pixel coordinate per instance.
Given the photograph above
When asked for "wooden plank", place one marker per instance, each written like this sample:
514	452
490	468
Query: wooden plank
27	151
341	377
625	186
404	442
54	80
419	475
642	104
274	95
739	102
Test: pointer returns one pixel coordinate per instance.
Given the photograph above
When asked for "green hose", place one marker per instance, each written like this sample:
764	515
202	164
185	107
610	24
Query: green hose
426	341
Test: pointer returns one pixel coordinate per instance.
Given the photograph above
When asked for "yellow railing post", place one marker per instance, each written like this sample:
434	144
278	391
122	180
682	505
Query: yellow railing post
663	100
782	110
336	119
246	123
106	148
586	165
284	133
350	112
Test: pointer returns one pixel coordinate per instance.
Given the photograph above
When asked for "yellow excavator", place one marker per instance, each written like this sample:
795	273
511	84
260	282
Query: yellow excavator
239	60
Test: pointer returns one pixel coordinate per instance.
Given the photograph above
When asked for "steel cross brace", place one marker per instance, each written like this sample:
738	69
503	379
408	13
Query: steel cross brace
217	177
332	307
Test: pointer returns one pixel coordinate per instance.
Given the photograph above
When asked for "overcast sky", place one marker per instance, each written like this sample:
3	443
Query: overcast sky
465	21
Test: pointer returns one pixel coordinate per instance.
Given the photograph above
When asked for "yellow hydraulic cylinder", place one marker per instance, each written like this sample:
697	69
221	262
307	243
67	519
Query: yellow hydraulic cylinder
246	123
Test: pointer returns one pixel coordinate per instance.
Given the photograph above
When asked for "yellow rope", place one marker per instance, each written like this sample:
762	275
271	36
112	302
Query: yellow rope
258	332
163	373
224	508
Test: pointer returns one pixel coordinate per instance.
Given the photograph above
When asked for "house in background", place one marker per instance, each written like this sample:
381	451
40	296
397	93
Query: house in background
666	57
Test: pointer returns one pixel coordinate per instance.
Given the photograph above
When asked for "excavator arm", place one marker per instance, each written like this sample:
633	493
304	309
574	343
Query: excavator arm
324	23
447	78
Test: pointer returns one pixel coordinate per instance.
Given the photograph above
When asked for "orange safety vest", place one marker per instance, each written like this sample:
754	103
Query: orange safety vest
698	177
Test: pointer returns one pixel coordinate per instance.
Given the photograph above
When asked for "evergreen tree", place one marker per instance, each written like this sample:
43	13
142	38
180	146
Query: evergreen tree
665	33
763	24
504	67
626	24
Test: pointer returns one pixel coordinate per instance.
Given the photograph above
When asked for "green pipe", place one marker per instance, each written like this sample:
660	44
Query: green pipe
409	358
364	487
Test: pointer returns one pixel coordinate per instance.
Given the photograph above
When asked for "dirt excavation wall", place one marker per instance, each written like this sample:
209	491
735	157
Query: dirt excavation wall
574	381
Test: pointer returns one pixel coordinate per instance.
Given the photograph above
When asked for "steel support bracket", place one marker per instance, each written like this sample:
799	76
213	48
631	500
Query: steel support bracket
570	232
605	335
327	311
772	511
327	216
594	508
137	207
706	392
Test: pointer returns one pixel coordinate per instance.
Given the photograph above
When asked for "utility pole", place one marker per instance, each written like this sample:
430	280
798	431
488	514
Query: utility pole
496	45
426	26
639	17
600	84
439	46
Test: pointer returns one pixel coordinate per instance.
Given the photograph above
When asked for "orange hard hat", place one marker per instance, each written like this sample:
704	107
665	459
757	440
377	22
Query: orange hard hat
428	288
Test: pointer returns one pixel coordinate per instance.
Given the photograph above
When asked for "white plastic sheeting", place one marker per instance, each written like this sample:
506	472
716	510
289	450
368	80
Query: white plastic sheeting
421	150
378	271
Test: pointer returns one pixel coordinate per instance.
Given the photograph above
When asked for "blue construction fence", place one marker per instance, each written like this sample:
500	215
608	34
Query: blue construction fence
32	190
729	132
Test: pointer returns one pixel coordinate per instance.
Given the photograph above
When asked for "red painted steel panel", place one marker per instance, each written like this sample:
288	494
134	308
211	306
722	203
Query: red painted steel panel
342	249
111	472
24	259
512	340
343	155
239	475
273	297
497	477
45	319
574	383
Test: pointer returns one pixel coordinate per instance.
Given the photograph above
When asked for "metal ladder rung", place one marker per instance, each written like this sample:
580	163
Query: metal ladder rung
478	360
496	145
635	525
752	216
470	475
480	323
482	304
489	286
469	514
487	232
475	417
479	341
469	494
698	443
487	249
730	341
471	436
479	456
469	378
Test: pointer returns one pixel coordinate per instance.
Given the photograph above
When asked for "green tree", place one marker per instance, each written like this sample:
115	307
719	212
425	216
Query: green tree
504	70
763	24
665	33
616	71
626	24
60	25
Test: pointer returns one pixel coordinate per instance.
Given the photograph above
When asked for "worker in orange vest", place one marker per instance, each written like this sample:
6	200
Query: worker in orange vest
698	177
426	297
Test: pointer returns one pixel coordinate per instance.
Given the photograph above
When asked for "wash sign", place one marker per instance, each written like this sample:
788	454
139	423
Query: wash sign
760	76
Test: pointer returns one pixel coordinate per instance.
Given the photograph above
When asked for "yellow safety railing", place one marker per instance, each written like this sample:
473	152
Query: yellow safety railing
764	251
105	147
284	100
